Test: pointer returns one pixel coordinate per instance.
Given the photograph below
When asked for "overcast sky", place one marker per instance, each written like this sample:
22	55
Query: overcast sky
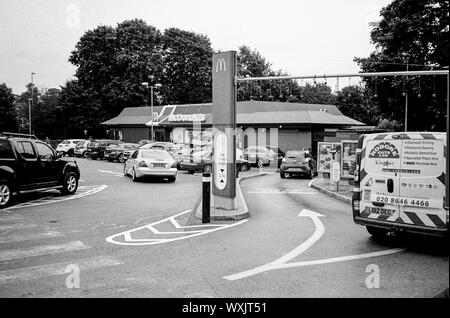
300	37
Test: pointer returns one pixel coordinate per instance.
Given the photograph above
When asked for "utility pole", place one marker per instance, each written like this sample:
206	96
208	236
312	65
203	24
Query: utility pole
30	103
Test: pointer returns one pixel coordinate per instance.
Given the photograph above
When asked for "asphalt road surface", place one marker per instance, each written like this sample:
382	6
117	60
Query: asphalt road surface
133	240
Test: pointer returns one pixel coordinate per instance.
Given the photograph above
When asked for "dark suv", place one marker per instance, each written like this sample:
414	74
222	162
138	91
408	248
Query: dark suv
28	164
96	148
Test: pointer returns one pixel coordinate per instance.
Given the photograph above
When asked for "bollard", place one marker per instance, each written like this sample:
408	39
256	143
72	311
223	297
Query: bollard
206	197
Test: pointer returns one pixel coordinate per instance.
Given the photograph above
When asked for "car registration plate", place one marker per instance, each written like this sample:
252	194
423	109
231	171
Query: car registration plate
159	165
380	211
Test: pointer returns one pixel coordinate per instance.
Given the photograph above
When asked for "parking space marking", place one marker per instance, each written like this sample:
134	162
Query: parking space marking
82	192
29	237
188	232
13	254
114	173
35	272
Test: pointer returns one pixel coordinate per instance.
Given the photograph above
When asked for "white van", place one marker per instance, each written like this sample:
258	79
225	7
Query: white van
400	183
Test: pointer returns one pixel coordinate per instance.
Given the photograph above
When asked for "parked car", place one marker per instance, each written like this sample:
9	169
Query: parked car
298	162
67	146
96	149
81	149
201	161
115	152
260	156
28	164
151	163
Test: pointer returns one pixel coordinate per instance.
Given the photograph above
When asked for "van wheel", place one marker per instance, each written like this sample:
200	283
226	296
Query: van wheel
377	232
70	184
84	155
5	194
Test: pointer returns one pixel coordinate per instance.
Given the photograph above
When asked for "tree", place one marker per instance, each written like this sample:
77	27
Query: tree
113	62
411	34
7	119
356	102
187	59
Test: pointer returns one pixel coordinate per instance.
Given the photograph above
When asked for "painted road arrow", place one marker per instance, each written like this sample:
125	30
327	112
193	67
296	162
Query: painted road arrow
282	262
278	263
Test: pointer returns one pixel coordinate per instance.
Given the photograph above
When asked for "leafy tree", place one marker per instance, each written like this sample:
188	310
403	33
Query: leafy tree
356	102
413	35
187	59
7	119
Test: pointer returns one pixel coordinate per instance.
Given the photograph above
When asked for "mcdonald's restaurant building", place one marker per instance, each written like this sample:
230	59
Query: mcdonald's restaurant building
283	125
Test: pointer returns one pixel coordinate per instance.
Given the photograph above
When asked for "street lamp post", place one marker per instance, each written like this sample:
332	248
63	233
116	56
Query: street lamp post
145	84
406	91
30	103
30	100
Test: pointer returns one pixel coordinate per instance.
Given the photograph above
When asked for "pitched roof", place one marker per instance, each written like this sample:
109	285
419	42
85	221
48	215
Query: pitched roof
248	112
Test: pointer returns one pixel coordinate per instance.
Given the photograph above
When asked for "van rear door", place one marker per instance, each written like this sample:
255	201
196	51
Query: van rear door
422	186
380	177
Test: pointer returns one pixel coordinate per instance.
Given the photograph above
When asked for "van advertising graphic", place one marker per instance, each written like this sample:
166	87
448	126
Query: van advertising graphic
384	150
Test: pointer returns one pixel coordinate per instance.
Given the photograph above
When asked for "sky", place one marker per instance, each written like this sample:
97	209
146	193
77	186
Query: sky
297	36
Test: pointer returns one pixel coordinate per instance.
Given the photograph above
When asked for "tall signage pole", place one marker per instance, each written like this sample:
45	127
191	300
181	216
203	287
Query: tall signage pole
224	124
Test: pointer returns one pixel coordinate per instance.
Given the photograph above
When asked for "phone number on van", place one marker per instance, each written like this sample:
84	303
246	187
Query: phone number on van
403	201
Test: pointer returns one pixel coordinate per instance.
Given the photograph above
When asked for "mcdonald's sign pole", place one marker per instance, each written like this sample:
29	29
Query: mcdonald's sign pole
224	124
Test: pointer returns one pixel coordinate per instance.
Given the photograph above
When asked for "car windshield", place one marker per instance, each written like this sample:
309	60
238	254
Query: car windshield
296	154
130	146
150	154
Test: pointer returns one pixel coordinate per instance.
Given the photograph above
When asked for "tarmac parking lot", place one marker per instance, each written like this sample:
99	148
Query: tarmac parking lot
297	242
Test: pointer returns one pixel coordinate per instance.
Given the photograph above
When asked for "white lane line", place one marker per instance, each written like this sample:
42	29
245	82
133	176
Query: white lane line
343	258
111	172
278	263
29	237
42	250
85	191
16	226
36	272
127	238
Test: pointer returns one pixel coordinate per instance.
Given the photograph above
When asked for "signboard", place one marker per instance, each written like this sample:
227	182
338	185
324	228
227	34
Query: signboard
220	158
325	153
348	158
336	171
224	121
188	118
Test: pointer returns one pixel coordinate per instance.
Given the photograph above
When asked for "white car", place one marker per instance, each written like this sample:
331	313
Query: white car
81	148
151	163
67	146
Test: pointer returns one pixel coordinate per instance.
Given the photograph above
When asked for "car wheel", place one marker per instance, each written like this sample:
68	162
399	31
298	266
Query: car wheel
5	194
133	176
191	171
243	168
84	155
377	232
125	171
260	163
70	153
70	183
207	168
282	175
120	159
172	179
